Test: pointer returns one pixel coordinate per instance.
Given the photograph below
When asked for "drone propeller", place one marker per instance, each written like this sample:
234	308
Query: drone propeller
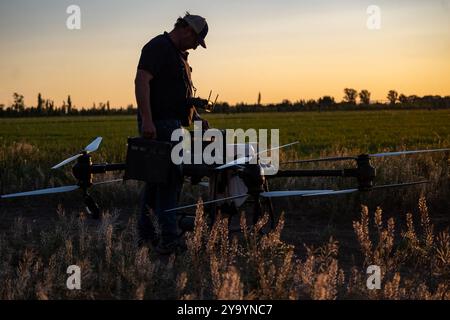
336	192
398	153
320	160
208	202
333	192
279	194
244	160
375	155
51	190
233	163
271	194
93	146
41	192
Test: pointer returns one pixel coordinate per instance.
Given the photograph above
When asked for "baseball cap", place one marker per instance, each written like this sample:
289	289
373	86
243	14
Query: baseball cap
199	25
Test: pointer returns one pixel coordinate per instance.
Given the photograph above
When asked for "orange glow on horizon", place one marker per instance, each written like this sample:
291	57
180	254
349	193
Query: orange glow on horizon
293	54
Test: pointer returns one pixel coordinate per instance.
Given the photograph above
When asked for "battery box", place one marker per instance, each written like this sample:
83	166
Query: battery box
148	160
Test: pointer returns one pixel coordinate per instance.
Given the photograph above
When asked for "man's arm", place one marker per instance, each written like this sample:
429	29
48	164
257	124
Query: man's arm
142	92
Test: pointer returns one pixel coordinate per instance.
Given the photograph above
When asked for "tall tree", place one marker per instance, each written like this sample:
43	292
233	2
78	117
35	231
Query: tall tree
350	95
364	96
69	104
392	96
40	103
64	107
18	104
259	99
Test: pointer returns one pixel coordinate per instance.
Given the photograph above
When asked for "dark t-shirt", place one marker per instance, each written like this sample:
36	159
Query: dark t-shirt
171	85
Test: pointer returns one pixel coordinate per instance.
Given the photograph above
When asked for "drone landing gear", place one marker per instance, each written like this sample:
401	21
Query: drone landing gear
91	206
261	207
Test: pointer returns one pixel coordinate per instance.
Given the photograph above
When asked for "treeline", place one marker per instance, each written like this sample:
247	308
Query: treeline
352	100
47	107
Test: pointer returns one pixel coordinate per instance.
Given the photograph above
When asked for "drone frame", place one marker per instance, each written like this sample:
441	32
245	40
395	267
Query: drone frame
255	181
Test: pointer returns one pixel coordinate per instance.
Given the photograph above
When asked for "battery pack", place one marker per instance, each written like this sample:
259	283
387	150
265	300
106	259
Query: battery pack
148	160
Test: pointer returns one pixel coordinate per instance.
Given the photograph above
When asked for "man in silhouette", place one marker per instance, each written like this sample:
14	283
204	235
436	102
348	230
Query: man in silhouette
163	89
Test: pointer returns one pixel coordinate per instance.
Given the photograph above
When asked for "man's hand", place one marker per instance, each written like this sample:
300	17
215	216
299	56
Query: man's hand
198	102
148	129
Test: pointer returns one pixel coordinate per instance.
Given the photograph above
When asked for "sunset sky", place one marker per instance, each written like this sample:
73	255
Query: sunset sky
285	49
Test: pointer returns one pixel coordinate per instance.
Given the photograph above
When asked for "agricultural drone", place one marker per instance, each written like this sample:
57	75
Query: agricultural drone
230	184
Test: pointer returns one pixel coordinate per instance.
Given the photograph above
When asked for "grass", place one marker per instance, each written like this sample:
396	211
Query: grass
217	265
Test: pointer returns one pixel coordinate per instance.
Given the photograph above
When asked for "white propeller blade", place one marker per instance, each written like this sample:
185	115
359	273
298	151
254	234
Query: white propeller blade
236	162
68	160
384	154
208	202
243	160
40	192
279	147
354	190
320	160
52	190
279	194
330	193
93	146
398	153
401	184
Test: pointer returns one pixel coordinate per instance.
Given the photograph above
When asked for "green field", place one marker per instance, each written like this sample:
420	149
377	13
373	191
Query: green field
316	132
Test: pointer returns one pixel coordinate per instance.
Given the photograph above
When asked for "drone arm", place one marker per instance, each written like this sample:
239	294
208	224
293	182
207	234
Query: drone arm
315	173
104	167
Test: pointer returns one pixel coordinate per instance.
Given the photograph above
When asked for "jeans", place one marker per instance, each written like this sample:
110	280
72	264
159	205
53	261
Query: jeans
163	196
